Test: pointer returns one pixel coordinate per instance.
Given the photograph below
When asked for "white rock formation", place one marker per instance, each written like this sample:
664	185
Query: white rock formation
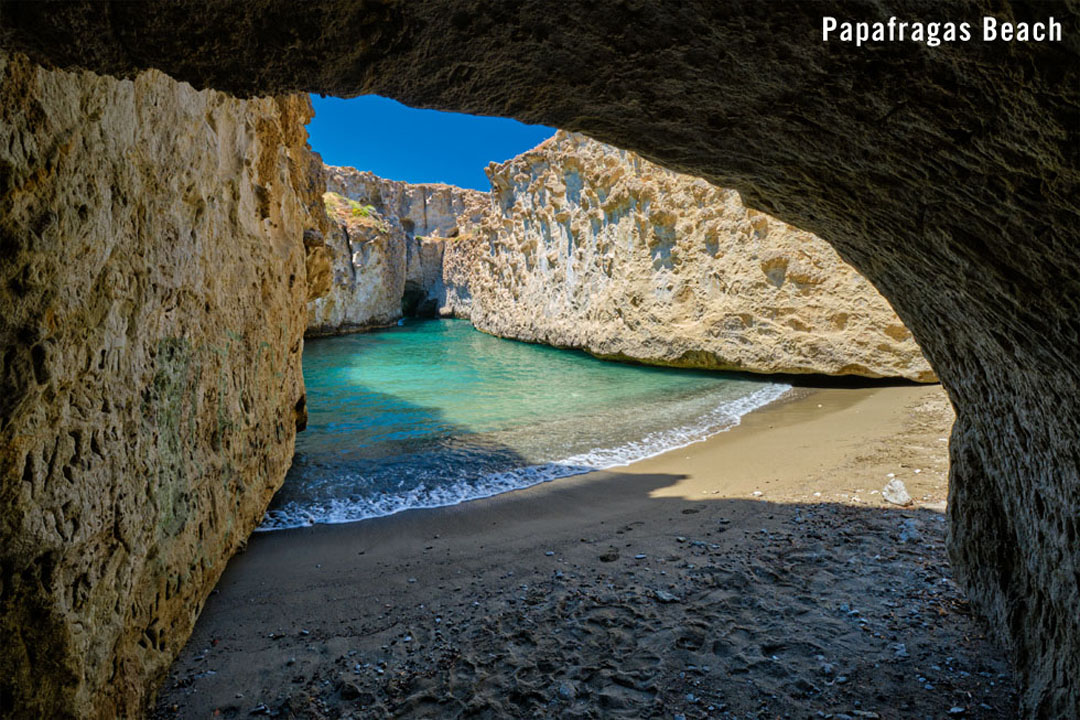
587	246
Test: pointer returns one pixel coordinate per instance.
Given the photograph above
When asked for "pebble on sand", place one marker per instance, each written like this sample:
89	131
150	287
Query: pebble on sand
896	493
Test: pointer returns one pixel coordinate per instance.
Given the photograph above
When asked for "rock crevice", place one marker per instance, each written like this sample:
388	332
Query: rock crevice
387	243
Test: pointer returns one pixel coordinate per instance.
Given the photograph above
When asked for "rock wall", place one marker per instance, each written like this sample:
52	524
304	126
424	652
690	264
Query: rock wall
592	247
152	293
948	176
387	246
368	271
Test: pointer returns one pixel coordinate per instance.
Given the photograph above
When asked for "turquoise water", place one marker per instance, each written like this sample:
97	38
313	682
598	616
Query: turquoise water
434	413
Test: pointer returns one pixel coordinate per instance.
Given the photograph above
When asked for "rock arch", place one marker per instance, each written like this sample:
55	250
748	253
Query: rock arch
962	162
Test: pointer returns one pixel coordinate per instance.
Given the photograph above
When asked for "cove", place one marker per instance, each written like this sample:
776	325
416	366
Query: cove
434	413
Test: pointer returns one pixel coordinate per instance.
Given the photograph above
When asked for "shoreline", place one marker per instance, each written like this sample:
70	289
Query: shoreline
593	595
559	470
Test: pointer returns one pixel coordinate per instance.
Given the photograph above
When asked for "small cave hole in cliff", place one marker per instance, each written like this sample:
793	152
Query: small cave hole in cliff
416	302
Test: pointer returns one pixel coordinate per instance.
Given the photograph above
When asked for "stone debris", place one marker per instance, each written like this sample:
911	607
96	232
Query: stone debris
896	493
909	530
887	613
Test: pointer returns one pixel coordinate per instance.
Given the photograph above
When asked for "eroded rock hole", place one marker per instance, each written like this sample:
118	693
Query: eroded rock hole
415	302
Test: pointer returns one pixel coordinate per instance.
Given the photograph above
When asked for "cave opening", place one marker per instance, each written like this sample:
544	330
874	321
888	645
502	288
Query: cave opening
525	413
417	304
407	251
396	206
731	143
566	199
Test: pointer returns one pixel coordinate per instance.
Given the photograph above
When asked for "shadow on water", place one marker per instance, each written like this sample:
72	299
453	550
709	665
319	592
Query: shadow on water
393	452
434	413
596	598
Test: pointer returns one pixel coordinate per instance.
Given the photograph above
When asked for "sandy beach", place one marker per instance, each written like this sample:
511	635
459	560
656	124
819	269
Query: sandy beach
758	574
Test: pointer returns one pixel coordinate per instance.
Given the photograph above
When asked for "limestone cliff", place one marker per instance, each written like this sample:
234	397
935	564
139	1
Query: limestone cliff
596	248
367	275
387	245
153	279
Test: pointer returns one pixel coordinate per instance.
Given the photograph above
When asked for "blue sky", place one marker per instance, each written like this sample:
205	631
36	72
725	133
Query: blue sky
402	143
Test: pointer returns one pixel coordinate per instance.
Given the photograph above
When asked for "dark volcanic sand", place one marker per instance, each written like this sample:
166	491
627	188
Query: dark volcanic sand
536	604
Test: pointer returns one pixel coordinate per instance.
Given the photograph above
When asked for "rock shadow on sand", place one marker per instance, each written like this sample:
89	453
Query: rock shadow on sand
593	598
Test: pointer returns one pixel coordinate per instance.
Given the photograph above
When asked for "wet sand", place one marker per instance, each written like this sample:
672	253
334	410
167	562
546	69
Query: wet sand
758	574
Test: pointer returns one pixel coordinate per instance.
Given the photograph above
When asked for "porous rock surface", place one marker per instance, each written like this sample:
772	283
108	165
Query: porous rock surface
152	293
592	247
948	176
387	244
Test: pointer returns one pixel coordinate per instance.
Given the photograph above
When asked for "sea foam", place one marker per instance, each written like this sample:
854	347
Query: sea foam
341	510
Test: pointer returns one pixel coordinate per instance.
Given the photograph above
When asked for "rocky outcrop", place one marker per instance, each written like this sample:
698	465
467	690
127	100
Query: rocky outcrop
582	245
596	248
387	246
152	293
948	176
367	271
